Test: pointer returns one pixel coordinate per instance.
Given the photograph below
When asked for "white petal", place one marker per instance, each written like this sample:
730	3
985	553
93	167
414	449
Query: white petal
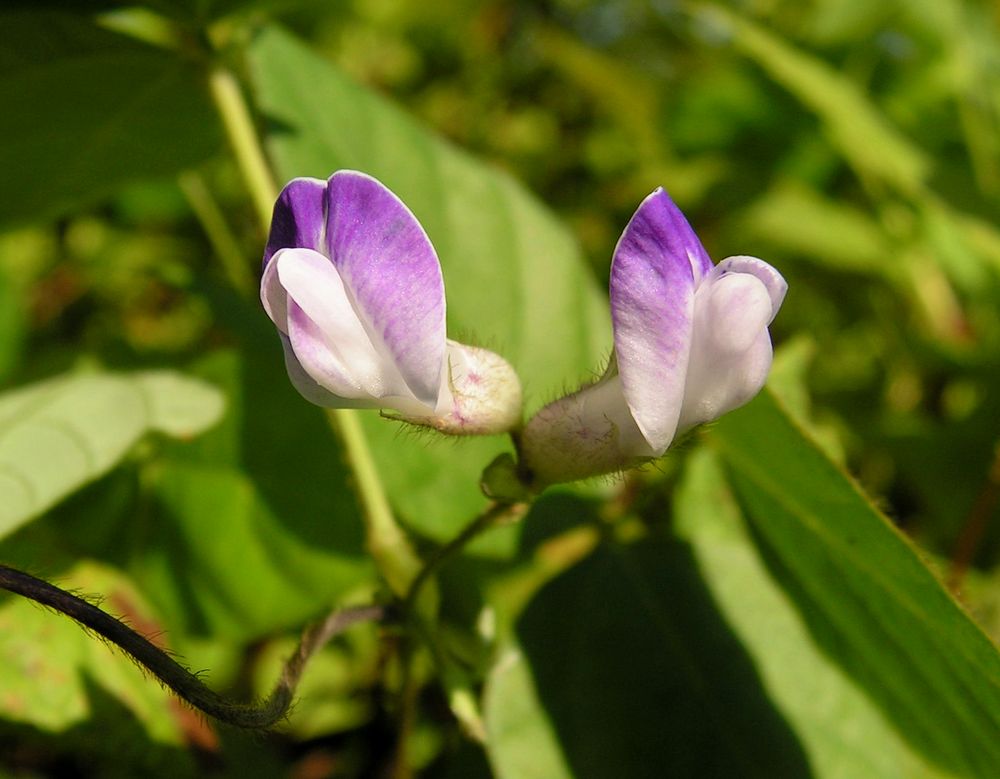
730	311
768	276
274	298
320	363
731	348
330	339
310	389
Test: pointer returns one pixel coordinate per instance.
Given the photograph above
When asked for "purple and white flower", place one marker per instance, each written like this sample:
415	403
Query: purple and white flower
355	289
690	344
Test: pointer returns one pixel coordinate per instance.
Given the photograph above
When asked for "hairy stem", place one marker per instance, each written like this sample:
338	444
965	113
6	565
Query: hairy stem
175	676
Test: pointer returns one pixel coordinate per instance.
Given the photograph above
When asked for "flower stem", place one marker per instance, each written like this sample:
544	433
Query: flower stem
175	676
495	514
386	542
388	545
226	247
242	135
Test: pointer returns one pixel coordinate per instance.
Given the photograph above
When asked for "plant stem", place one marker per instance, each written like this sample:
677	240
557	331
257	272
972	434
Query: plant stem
493	515
242	135
389	547
173	674
386	542
224	243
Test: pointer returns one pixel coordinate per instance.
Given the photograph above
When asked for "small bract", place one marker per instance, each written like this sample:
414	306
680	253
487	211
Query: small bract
355	289
690	343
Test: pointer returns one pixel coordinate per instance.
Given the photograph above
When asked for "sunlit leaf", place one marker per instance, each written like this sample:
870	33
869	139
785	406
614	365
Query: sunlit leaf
55	675
58	435
842	731
860	586
231	542
623	667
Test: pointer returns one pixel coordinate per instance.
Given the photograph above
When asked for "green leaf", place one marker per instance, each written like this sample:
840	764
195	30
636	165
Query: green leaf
624	668
514	277
842	731
87	110
864	592
60	434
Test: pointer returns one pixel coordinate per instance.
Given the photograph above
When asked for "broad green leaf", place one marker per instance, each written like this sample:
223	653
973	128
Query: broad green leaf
87	110
514	277
60	434
56	677
624	668
788	380
862	589
863	134
842	731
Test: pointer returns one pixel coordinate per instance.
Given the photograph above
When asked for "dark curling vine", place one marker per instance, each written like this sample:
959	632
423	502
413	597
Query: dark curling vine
257	716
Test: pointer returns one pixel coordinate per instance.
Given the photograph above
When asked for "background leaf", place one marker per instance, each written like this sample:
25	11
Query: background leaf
841	729
868	599
230	543
87	110
864	136
58	435
624	668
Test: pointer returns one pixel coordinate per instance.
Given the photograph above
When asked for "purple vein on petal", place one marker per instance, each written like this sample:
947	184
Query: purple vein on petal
298	219
652	305
388	263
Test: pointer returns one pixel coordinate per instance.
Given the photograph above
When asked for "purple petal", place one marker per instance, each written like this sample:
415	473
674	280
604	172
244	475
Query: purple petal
681	238
652	306
772	280
298	219
386	260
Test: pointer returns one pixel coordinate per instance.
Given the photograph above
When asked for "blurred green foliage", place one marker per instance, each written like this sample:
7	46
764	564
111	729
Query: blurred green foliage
854	145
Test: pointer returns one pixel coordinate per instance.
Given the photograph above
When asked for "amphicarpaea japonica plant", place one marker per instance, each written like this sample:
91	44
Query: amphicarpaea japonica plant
354	287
